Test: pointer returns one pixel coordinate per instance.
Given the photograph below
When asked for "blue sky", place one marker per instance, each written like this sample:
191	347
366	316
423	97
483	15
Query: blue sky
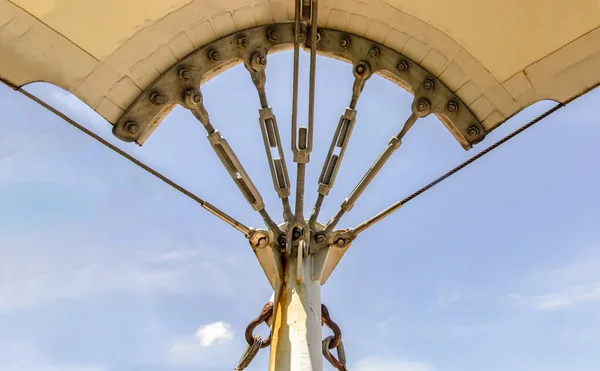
104	268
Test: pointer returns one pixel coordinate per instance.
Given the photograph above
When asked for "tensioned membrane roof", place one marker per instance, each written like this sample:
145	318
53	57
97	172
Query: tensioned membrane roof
497	56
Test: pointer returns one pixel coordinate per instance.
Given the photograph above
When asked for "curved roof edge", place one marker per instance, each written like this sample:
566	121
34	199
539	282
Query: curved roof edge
33	51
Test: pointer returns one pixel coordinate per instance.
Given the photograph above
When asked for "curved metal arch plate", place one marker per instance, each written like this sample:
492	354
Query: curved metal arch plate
151	106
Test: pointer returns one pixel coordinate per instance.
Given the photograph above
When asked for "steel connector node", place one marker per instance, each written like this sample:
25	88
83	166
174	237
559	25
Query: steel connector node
297	231
422	107
258	62
362	71
193	97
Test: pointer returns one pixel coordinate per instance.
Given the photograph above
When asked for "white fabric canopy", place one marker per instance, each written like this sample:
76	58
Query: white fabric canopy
497	56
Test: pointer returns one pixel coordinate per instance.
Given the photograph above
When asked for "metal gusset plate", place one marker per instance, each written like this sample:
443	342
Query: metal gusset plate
455	115
148	110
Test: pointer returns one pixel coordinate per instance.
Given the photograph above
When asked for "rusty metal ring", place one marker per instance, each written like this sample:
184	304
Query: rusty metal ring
337	332
340	361
265	314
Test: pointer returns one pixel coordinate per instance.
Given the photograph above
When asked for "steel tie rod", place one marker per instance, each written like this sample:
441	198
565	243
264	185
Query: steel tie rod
420	108
209	207
194	102
302	138
340	140
396	206
270	132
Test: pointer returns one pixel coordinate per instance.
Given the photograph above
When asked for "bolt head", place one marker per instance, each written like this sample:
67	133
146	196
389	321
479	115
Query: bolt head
428	84
262	242
272	35
185	74
131	127
281	240
193	97
362	69
374	52
422	107
452	106
243	42
260	59
473	131
340	242
345	42
321	239
157	98
402	66
214	55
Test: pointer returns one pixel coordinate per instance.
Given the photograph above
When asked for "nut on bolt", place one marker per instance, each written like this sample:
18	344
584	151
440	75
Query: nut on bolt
131	127
428	84
262	242
272	35
374	52
185	74
193	97
320	239
345	42
422	107
402	66
340	242
452	106
214	55
243	42
361	68
157	98
260	59
473	131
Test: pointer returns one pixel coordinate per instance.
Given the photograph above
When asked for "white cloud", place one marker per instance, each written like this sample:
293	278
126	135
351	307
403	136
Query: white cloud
573	296
218	332
390	364
211	345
